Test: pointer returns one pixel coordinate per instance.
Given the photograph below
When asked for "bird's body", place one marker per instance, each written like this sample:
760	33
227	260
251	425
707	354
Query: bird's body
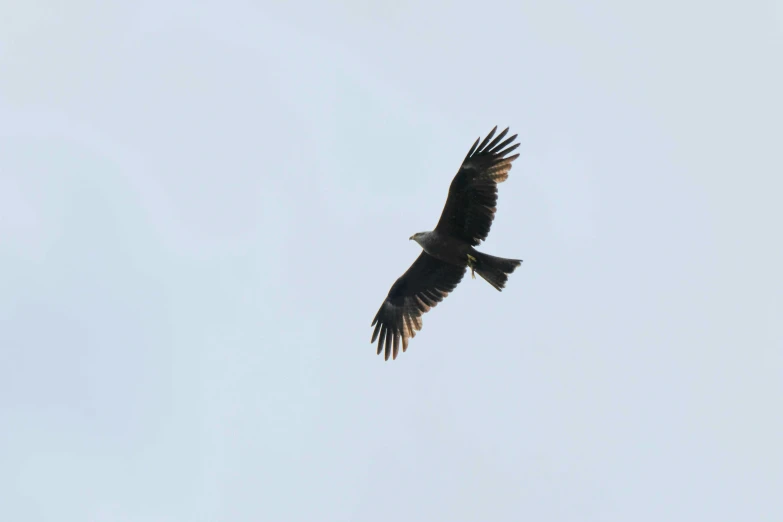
449	249
446	248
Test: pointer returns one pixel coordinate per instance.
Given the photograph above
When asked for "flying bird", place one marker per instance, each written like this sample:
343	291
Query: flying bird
448	250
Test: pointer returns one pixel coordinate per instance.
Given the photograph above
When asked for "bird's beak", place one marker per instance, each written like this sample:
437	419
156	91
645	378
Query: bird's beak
410	238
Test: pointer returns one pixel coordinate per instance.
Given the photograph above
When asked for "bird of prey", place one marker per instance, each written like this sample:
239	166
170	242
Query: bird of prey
448	250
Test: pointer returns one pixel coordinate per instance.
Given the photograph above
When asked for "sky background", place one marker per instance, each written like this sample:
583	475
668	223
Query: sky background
203	205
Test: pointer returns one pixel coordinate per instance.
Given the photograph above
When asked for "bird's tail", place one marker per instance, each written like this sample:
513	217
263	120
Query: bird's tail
494	270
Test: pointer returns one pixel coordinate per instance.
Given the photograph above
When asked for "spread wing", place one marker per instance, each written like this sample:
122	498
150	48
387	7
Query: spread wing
420	288
473	194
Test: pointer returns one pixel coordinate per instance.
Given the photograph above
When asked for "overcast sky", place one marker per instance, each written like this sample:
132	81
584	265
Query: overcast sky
203	206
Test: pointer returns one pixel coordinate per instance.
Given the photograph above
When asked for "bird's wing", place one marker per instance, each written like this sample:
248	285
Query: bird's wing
422	286
473	194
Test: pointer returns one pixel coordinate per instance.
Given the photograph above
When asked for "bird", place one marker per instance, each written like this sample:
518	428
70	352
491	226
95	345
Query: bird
448	250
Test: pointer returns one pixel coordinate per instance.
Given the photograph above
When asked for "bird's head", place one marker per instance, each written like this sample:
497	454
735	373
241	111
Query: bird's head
419	236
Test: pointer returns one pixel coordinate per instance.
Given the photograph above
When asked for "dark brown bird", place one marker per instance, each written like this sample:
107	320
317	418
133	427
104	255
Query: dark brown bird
448	250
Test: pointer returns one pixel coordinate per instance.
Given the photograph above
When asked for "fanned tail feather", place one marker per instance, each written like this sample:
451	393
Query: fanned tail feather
495	270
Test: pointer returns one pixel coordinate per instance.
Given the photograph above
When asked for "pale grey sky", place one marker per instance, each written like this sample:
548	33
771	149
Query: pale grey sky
203	206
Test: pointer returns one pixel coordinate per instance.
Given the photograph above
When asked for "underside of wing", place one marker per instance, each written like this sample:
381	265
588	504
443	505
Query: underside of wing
426	283
473	194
